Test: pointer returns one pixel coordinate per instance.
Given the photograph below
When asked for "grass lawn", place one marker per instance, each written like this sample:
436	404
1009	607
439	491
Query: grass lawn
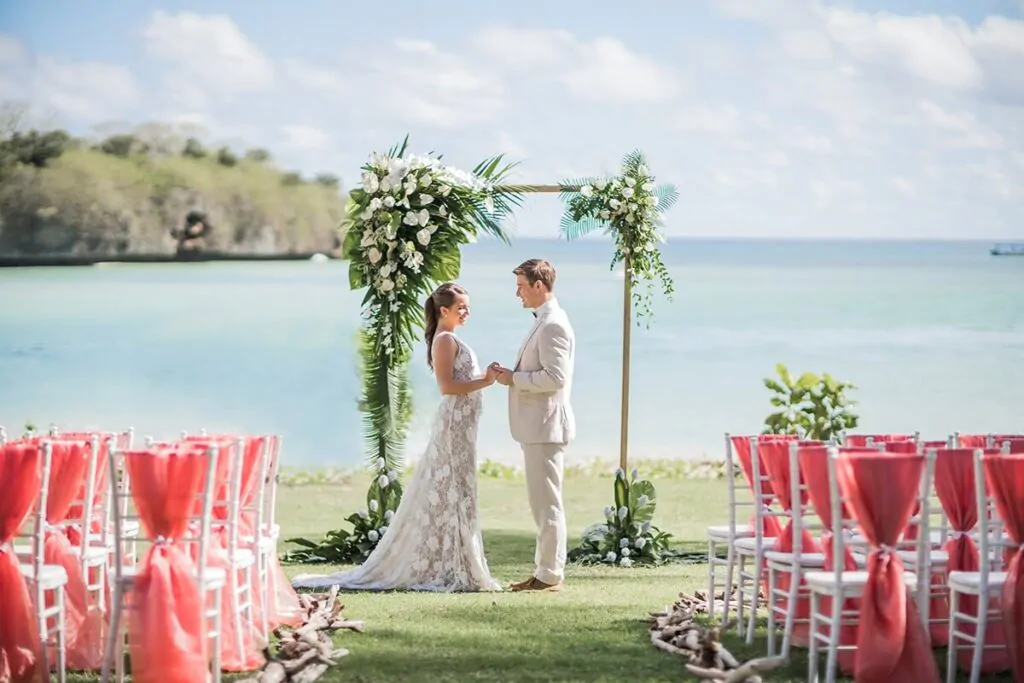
595	629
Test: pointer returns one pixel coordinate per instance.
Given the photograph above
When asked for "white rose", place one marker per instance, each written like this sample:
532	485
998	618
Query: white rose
381	463
627	192
611	557
373	536
652	200
389	201
625	551
386	269
648	186
383	480
423	236
426	199
630	182
642	170
623	511
605	214
373	506
386	285
601	184
587	191
614	203
389	515
385	185
626	562
374	255
640	543
382	530
624	543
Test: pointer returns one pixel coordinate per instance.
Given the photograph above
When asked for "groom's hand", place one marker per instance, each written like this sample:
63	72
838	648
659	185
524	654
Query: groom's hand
504	374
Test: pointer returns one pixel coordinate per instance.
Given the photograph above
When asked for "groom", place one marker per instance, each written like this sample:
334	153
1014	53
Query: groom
540	416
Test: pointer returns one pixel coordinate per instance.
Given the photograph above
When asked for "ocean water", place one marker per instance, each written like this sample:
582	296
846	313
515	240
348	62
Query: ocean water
931	333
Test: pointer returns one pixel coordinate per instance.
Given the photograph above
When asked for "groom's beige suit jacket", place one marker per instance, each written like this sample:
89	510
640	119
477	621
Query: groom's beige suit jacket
539	409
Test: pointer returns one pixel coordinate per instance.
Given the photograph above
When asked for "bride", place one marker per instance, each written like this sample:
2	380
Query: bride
434	542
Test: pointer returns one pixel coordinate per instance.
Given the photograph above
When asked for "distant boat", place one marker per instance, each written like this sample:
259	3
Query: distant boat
1016	249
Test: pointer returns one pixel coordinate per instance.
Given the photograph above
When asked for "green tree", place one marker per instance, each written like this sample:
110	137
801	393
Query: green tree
194	149
225	157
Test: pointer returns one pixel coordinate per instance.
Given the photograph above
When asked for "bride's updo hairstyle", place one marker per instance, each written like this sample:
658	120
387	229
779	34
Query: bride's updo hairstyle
443	297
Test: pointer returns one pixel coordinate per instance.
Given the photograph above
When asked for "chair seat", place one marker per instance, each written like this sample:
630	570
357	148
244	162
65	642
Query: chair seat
51	576
851	583
214	577
803	559
937	558
970	582
748	544
723	532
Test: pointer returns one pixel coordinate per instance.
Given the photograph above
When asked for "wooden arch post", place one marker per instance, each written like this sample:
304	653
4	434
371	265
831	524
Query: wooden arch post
627	329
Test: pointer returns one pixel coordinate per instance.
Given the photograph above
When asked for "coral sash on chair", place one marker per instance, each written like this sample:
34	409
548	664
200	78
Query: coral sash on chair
1005	477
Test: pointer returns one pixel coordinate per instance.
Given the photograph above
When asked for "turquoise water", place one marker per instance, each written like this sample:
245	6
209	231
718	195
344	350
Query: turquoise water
932	333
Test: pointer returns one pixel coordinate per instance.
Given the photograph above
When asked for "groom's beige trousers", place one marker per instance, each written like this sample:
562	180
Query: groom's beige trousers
543	463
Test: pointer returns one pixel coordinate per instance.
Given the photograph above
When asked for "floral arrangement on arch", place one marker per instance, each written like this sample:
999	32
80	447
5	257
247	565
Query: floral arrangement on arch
630	207
404	228
626	537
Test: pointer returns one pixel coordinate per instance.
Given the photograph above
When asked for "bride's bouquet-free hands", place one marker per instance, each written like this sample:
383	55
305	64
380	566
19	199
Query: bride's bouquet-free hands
503	375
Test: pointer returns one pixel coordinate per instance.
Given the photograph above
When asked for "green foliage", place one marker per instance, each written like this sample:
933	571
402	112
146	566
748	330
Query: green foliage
627	536
811	406
225	157
194	149
630	207
121	145
33	148
257	155
328	180
404	227
291	178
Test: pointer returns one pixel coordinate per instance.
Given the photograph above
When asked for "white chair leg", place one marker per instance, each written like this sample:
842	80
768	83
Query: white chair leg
835	634
730	575
979	637
236	612
795	577
951	658
712	568
62	653
741	594
755	592
771	611
812	647
217	629
113	633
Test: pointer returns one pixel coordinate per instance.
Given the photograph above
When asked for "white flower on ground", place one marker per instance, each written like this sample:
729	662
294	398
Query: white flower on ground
626	562
389	514
623	511
373	536
611	557
624	552
643	500
624	543
620	473
426	199
609	512
423	237
373	255
364	514
383	480
587	191
640	543
373	506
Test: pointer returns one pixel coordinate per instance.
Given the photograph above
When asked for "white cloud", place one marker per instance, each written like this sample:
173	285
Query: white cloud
715	119
961	128
603	70
305	138
11	50
209	56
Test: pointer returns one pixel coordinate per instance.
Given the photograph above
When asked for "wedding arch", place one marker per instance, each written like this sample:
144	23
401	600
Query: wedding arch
404	228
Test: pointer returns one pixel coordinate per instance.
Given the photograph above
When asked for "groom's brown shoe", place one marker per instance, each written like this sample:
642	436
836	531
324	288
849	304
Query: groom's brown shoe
535	584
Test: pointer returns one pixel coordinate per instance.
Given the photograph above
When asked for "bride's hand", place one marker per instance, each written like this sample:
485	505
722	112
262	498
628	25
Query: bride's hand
491	375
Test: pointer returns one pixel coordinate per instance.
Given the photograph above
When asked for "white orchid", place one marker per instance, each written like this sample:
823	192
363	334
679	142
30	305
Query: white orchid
627	192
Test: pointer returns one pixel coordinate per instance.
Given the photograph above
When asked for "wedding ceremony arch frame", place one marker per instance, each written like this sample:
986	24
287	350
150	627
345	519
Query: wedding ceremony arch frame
404	227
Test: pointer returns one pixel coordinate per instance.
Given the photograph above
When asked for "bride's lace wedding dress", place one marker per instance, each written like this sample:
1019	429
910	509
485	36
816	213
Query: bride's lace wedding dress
434	541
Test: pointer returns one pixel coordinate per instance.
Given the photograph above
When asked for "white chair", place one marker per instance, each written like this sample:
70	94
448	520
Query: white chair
726	534
841	585
792	564
270	531
210	581
45	580
753	548
984	584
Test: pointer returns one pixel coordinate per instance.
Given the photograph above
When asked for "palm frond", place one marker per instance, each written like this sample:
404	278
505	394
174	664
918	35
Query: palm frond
574	228
634	159
385	404
667	196
398	151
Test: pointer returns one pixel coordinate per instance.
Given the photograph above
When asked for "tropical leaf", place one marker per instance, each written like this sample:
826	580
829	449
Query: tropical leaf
667	196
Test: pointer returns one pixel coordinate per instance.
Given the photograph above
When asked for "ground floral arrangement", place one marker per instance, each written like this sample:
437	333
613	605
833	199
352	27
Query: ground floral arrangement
404	227
627	536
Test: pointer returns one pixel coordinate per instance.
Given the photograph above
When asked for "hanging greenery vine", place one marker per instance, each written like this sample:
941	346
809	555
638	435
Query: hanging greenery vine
404	227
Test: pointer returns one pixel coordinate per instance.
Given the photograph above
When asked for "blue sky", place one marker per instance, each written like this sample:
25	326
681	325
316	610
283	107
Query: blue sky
775	118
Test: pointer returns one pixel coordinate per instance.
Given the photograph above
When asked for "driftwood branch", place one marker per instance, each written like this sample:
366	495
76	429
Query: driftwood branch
306	652
678	632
